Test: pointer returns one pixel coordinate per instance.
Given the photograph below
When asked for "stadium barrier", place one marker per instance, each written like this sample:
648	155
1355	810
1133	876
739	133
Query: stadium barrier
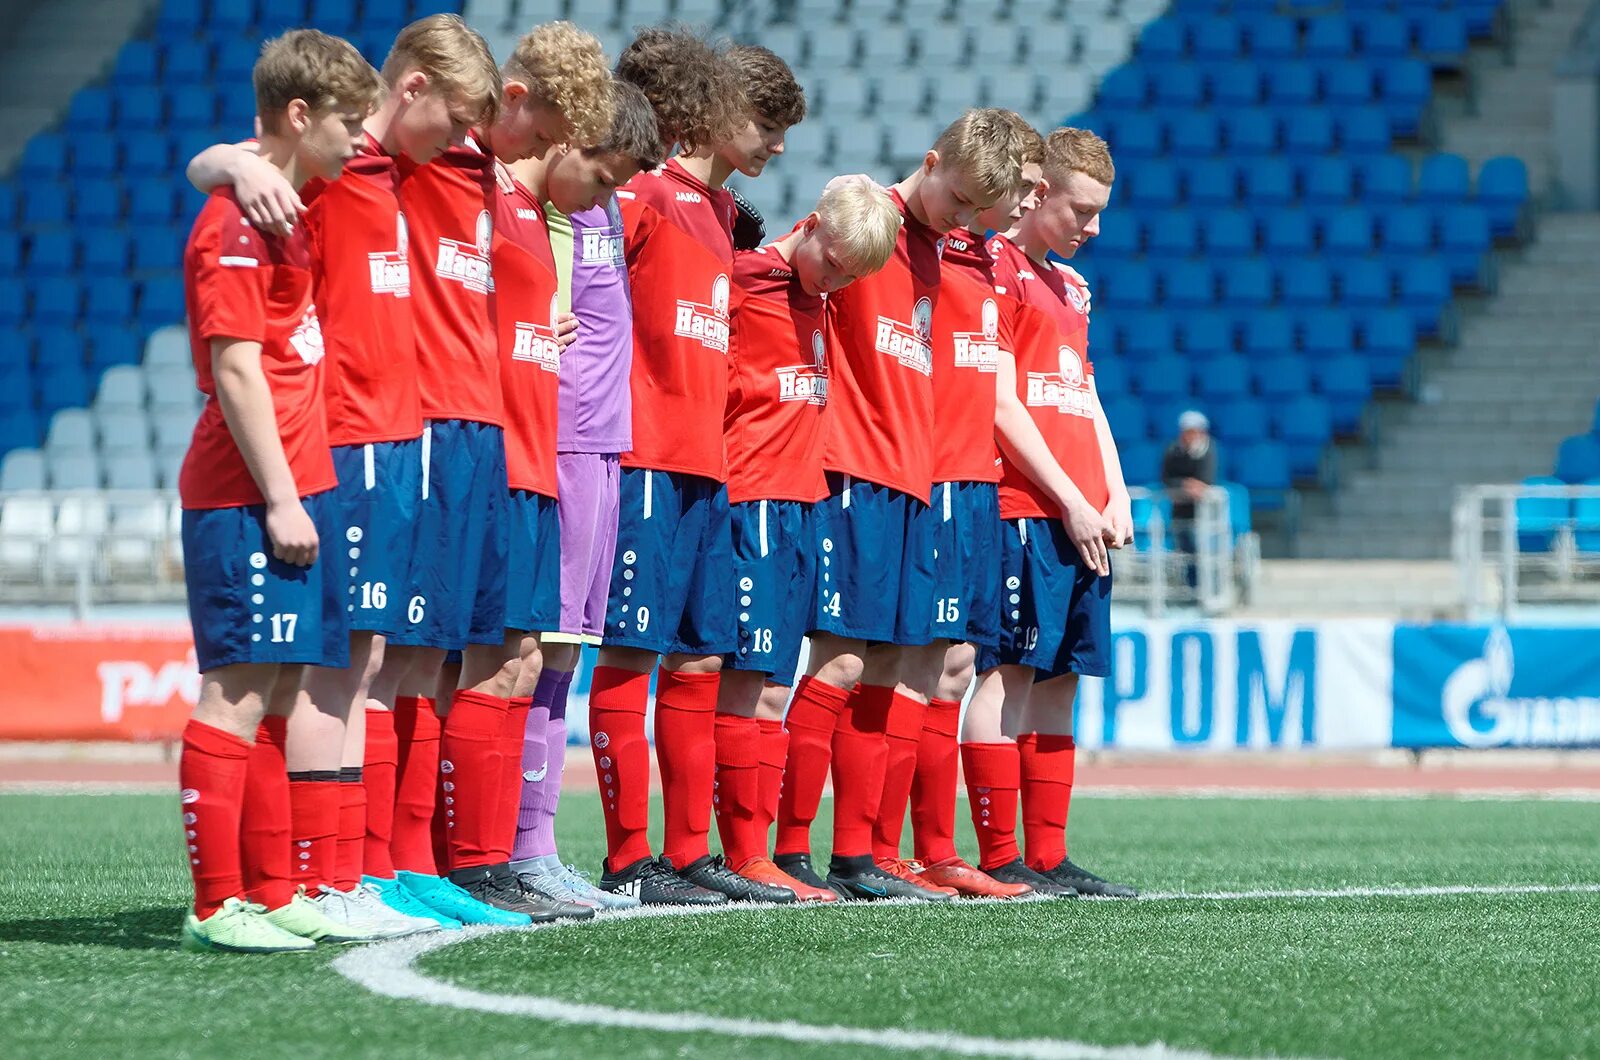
1535	543
1202	685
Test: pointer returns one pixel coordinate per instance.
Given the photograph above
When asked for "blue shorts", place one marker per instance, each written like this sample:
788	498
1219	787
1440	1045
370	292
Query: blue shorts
1057	613
875	579
457	594
775	571
671	587
966	569
533	572
375	505
247	606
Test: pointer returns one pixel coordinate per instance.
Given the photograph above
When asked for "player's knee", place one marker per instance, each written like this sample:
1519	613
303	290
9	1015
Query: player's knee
693	664
960	664
774	698
843	669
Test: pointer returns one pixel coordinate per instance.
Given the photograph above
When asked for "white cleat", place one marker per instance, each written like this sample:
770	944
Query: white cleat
363	911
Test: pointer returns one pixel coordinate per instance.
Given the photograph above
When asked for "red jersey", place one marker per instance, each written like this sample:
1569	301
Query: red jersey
1053	378
525	311
778	394
969	333
241	284
881	423
363	295
447	204
678	239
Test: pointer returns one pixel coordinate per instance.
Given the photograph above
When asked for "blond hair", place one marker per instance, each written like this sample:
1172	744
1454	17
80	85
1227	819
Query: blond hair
566	68
454	57
309	65
860	220
1068	151
986	145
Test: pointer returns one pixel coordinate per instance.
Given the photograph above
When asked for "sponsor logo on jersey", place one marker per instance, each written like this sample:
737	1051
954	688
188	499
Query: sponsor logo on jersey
389	269
690	197
707	323
526	214
910	344
1078	297
468	263
536	343
602	247
306	339
981	350
807	382
1065	390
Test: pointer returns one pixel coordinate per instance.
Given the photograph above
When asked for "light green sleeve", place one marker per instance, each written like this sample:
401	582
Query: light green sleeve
561	248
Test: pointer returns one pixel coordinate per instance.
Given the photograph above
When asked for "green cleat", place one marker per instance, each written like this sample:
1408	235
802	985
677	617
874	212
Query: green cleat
240	927
305	918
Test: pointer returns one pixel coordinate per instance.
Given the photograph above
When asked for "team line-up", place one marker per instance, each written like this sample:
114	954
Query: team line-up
495	366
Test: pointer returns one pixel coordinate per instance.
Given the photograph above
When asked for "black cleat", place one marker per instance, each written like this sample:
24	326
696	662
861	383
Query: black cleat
653	882
1017	872
713	874
1087	883
858	879
799	866
496	885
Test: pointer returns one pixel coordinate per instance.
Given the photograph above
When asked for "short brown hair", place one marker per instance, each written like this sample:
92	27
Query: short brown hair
695	91
566	68
454	57
633	131
769	84
987	145
1068	151
310	65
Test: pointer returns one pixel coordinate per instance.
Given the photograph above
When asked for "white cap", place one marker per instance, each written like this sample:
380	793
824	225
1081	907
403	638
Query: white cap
1193	420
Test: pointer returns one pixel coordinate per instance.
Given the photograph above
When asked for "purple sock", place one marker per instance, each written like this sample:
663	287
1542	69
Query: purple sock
542	761
555	736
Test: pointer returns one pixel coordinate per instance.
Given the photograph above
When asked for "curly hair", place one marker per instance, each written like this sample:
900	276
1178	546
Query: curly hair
633	129
696	92
769	84
565	67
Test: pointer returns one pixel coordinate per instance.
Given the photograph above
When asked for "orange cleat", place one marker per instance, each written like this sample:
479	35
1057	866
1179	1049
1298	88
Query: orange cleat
970	882
911	872
762	870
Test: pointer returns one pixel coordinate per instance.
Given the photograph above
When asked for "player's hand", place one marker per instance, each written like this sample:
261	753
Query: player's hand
1119	513
1088	530
566	330
267	198
292	533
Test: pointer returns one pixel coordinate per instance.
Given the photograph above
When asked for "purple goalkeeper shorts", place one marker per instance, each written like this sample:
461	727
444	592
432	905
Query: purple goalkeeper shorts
588	487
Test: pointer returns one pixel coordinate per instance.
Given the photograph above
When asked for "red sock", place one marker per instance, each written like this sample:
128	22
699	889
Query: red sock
416	729
738	788
352	828
617	700
902	732
470	775
1047	767
933	789
211	776
377	776
774	751
265	860
993	775
860	751
314	826
512	732
813	716
686	721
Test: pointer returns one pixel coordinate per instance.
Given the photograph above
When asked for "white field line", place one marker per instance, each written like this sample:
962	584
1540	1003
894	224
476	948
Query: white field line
388	969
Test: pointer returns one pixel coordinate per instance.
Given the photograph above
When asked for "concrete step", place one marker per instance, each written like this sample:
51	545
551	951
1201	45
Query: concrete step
1376	588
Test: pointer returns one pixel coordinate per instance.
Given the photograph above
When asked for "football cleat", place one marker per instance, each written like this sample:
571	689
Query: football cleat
361	913
652	881
304	917
713	874
447	899
398	897
911	872
861	880
552	885
799	867
763	870
581	884
1016	872
1087	883
499	887
969	882
240	927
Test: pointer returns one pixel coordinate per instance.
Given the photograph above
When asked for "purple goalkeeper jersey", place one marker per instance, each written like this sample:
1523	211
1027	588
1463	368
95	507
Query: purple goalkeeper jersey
596	412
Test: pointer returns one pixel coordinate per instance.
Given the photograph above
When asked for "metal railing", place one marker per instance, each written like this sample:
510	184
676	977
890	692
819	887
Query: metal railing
1516	545
1156	574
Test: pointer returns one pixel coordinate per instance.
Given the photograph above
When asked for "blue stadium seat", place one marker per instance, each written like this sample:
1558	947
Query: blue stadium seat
113	344
52	254
1388	339
1305	425
1269	182
1178	85
95	156
193	107
97	203
1464	237
139	108
1364	131
57	301
233	17
138	63
1329	181
1138	136
1345	380
1141	462
62	384
1212	182
1308	131
13	301
1163	378
1268	333
1538	518
235	59
1443	179
1366	285
1384	180
1306	284
1263	469
1329	37
1125	88
186	63
236	111
1586	519
1230	233
1125	414
20	428
1189	285
1134	284
1424	292
333	16
151	201
1111	374
1272	38
1292	84
1173	233
1121	235
1348	234
1240	84
275	16
1279	378
1503	191
1216	40
1153	184
45	205
160	302
8	204
110	301
44	158
1196	135
1406	86
157	248
10	254
1241	421
89	111
1164	40
1252	131
1407	231
1442	39
180	18
147	154
1578	458
1221	378
1147	336
1385	36
57	344
1205	334
1247	284
1327	332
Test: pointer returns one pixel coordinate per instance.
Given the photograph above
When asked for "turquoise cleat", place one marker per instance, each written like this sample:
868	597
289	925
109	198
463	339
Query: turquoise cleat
444	897
400	898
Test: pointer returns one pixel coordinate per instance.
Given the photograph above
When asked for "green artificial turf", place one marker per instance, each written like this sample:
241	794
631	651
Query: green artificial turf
91	892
